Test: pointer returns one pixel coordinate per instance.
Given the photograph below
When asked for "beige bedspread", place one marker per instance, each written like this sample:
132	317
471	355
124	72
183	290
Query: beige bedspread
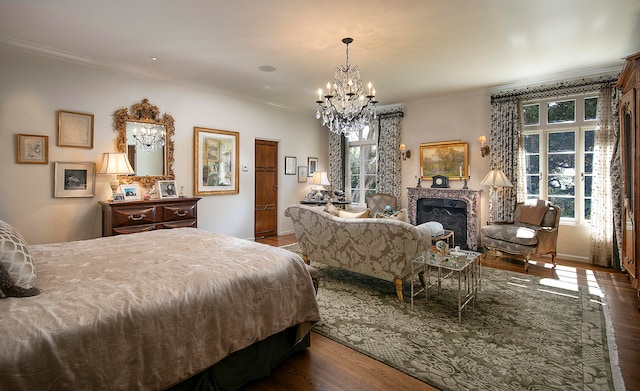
147	310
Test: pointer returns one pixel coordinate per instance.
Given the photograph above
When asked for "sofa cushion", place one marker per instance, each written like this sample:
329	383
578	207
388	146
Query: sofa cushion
400	215
353	215
511	233
533	212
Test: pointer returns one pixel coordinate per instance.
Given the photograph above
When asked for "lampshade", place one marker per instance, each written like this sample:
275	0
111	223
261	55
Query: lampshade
496	178
115	163
320	178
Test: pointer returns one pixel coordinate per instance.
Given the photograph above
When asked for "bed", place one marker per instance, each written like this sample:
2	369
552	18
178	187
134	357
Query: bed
155	310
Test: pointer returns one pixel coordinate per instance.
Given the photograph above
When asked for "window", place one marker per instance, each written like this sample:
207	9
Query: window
361	168
559	136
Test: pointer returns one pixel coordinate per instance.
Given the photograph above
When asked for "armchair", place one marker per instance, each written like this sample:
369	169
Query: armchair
534	231
377	203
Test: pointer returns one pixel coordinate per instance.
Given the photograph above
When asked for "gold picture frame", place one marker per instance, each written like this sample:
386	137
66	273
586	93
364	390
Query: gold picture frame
75	130
216	162
33	149
446	158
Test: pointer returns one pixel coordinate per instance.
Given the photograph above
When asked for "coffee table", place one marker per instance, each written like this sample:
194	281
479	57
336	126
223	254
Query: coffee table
466	265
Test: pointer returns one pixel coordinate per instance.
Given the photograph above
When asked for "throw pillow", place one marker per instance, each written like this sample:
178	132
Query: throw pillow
16	257
354	215
331	209
401	215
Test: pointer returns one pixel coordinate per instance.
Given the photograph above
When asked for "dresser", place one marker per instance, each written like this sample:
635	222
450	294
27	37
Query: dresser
629	83
127	217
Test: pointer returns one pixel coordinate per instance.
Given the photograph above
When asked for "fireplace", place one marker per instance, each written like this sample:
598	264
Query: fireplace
457	210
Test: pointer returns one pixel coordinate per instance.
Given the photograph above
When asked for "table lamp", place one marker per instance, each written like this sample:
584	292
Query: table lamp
115	163
495	179
318	182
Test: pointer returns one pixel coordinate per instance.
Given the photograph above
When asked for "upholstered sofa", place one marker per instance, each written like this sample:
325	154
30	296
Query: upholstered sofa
533	231
376	247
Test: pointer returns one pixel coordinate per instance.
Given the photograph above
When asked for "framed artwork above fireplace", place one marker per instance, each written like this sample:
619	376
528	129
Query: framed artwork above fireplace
445	158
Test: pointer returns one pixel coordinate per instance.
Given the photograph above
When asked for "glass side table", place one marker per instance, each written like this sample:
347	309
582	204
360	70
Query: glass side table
465	265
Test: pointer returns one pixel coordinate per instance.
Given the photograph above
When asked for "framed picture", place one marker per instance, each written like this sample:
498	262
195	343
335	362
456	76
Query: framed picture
75	129
446	158
312	164
290	165
167	189
33	149
302	174
117	197
74	179
131	191
216	158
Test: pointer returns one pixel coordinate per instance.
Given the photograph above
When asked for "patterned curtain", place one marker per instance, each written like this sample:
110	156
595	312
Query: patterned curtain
606	198
504	141
388	174
336	161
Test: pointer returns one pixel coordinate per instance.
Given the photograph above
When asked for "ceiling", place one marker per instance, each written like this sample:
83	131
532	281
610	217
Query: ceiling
410	50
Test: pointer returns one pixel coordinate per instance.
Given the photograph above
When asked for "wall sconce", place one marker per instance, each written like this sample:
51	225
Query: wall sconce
406	153
484	149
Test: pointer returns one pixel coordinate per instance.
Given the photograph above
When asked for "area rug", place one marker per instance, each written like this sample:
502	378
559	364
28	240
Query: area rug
523	333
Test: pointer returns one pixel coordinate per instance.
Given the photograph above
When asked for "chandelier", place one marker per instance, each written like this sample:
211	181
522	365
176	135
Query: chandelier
149	137
346	107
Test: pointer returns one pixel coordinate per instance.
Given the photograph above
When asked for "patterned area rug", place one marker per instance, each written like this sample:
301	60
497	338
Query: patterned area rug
524	332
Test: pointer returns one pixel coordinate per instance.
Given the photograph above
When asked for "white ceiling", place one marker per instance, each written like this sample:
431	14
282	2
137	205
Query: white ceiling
410	50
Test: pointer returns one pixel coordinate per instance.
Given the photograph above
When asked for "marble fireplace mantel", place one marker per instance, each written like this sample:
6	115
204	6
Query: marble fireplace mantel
470	197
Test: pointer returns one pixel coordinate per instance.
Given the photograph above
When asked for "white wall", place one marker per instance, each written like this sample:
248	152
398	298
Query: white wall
34	87
466	117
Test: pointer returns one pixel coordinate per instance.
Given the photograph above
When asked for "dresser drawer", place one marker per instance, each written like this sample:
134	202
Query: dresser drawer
133	216
179	212
134	229
181	224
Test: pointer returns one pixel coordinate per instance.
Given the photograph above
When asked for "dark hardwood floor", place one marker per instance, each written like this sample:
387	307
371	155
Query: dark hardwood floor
328	365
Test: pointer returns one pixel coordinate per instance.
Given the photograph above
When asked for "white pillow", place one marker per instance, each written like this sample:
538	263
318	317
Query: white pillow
353	215
16	257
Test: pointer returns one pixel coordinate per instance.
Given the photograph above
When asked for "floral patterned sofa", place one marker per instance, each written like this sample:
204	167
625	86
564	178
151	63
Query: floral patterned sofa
376	247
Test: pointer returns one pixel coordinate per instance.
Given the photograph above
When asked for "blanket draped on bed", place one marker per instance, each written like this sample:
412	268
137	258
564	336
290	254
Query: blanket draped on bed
147	310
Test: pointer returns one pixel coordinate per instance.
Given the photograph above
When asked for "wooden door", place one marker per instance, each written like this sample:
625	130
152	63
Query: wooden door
266	197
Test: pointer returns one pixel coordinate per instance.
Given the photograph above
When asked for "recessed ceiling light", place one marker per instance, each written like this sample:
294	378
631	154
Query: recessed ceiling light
267	68
154	58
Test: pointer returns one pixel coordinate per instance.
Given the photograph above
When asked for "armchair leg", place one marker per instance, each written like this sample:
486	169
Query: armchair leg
526	264
398	282
553	259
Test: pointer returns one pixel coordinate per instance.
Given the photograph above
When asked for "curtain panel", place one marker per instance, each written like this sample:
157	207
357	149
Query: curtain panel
388	173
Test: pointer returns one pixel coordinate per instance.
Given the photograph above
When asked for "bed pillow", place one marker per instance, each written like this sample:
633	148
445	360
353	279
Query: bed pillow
353	215
16	260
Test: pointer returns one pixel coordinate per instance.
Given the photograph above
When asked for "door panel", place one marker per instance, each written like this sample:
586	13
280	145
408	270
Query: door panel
266	196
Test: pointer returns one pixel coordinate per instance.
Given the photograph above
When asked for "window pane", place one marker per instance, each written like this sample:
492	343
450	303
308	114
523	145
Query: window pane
562	163
561	111
567	205
533	185
588	163
561	185
533	164
367	134
354	160
353	136
562	142
590	109
588	181
587	209
532	143
589	140
531	114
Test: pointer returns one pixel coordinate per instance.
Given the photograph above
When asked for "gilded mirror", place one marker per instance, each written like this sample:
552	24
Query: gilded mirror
150	160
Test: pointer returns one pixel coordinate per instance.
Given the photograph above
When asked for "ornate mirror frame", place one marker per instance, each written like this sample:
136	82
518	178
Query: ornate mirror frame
145	112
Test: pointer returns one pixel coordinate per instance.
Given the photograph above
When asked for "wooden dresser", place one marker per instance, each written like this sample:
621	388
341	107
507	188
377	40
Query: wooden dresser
629	83
127	217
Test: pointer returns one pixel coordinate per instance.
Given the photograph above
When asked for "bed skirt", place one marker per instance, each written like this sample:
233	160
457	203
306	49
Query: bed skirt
251	363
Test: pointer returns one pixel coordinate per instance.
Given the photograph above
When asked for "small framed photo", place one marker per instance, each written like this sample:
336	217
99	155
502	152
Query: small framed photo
312	164
302	174
290	165
167	189
74	179
131	191
117	197
75	129
33	149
